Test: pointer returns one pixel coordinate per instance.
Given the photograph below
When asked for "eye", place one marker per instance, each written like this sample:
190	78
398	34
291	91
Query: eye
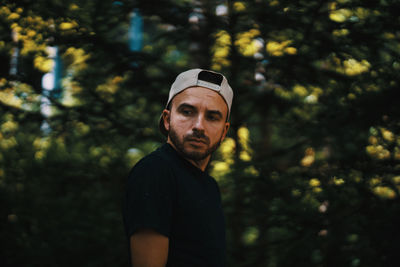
186	112
213	117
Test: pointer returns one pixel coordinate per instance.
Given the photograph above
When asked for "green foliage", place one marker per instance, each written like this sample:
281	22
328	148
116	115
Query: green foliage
309	175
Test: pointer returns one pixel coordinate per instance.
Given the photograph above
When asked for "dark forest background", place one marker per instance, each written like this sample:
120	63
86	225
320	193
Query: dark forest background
310	173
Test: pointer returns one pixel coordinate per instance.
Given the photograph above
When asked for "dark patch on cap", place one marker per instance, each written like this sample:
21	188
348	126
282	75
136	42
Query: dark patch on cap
211	77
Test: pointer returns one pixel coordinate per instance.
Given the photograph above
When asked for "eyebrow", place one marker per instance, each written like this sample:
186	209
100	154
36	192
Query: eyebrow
213	112
185	105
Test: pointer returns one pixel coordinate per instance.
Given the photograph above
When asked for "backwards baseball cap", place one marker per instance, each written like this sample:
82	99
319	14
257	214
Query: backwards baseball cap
199	77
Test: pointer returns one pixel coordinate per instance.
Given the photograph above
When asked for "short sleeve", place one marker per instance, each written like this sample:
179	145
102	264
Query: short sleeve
149	197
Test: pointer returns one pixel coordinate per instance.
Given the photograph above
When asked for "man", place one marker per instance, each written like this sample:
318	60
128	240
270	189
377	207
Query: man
173	214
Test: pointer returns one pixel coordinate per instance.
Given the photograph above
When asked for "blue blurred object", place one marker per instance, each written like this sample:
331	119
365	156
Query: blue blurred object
51	81
136	31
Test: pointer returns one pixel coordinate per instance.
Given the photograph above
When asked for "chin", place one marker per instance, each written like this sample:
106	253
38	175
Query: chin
195	154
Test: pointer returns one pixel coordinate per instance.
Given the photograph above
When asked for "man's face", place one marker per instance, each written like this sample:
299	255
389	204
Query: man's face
196	122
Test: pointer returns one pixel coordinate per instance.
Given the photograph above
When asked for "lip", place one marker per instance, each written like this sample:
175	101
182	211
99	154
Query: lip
197	141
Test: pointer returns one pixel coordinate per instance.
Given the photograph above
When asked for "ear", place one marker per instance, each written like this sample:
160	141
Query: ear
225	130
166	114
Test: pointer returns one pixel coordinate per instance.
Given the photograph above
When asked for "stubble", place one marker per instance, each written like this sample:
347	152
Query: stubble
191	154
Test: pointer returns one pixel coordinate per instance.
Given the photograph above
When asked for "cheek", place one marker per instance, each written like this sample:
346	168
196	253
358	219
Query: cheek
179	126
217	132
183	123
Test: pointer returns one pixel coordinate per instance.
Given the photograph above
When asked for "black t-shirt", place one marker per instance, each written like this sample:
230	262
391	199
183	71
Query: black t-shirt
168	194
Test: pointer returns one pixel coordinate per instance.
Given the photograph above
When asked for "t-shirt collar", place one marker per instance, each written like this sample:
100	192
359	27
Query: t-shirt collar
168	147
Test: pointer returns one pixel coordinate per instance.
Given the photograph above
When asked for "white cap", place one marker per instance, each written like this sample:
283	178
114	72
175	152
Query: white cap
199	77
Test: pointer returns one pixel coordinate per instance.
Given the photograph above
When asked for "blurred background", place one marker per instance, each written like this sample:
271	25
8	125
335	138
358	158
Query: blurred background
310	173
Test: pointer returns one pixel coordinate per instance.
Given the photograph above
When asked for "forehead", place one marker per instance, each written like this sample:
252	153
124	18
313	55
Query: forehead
201	96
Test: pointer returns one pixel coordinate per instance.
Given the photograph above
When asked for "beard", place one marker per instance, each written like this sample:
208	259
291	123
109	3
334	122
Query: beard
192	154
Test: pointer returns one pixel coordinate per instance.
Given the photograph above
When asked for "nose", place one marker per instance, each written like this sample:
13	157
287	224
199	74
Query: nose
199	123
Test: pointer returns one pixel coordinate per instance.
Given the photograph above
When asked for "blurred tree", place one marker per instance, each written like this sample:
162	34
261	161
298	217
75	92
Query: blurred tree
310	173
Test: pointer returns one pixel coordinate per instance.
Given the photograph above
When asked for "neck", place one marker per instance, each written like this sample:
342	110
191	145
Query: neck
200	164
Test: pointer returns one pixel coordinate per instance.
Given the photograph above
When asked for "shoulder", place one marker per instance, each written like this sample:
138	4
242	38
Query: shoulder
156	161
153	168
214	183
150	162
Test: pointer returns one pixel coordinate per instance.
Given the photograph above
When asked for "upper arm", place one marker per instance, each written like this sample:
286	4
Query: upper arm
149	198
149	249
148	212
